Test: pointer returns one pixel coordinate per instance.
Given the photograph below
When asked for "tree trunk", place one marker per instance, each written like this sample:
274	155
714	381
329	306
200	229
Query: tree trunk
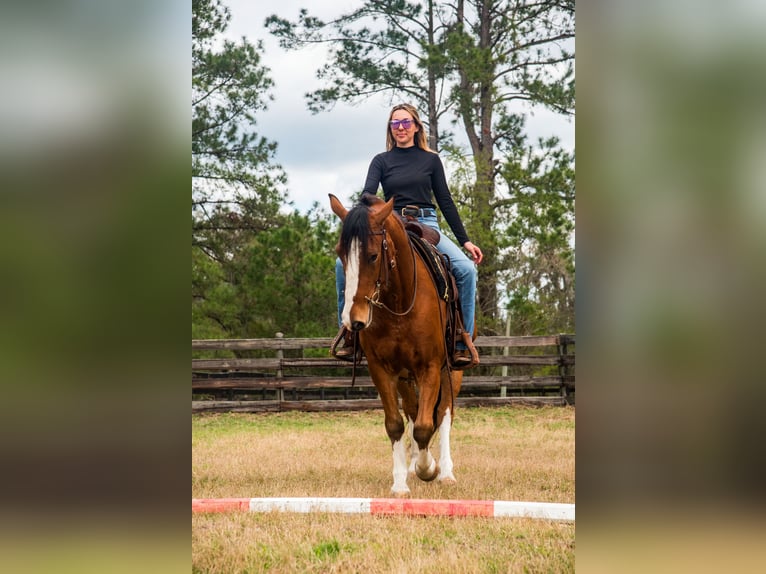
433	117
483	145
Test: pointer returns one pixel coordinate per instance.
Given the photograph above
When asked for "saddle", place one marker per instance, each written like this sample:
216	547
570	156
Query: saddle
424	240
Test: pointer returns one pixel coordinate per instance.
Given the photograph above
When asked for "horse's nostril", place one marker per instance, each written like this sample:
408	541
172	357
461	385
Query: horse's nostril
357	326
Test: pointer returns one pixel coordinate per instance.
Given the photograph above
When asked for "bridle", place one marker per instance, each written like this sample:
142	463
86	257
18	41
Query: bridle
375	299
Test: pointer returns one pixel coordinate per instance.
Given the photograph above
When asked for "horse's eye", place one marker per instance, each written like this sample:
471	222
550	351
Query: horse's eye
373	258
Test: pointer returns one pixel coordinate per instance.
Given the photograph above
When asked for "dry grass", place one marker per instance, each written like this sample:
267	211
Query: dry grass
499	454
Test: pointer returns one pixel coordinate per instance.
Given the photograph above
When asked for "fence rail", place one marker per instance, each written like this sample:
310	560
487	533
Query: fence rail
543	375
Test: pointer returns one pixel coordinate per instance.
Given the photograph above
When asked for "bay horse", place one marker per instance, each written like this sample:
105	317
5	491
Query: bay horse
393	306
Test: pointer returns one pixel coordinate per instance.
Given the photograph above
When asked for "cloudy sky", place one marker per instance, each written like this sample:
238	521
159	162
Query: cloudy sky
327	152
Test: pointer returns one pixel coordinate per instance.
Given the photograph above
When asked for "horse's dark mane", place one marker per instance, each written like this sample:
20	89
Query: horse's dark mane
369	200
357	223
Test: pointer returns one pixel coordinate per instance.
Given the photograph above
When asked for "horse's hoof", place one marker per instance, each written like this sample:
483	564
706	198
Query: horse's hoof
401	494
428	476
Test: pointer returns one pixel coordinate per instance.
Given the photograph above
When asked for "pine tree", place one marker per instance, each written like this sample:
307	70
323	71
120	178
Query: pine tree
485	63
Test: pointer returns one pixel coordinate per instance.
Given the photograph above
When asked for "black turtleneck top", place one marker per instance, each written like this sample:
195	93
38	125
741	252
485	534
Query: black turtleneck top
413	176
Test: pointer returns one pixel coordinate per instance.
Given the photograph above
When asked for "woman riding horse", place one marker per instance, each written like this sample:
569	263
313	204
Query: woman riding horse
412	174
393	307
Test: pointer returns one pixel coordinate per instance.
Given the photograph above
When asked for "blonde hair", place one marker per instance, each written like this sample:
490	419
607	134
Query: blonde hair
421	140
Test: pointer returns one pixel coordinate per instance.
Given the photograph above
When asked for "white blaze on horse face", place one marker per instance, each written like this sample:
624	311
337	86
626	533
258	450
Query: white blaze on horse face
352	280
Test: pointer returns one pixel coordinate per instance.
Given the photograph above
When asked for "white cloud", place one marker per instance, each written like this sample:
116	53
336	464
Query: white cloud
324	153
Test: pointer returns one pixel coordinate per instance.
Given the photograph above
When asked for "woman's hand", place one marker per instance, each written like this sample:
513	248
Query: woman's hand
474	252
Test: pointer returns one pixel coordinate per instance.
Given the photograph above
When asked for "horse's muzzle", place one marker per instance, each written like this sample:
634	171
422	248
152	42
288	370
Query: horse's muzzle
358	325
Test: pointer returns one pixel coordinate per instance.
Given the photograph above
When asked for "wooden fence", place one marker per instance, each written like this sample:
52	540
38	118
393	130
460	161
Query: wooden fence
281	374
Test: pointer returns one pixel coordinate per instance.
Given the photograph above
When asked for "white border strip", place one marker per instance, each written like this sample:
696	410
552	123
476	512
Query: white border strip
548	510
287	504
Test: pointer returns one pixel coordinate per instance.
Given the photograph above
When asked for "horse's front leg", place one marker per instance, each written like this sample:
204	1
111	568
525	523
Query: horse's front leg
406	387
450	386
386	385
399	450
426	466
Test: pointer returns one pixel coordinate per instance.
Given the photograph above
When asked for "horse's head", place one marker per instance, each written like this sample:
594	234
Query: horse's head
361	249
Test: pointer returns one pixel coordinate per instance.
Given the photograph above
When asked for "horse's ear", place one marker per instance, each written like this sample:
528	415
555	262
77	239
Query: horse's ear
337	207
381	215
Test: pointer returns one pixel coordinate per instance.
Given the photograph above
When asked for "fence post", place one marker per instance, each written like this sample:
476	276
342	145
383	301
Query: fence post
280	374
503	389
561	347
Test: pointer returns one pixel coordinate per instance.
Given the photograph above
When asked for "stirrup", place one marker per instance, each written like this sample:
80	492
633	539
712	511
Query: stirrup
346	351
472	353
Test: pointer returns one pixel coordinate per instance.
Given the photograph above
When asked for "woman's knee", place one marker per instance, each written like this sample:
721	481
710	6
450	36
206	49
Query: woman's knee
464	269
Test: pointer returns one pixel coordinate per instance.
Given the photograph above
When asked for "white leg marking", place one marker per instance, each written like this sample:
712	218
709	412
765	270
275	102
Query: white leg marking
426	462
400	469
445	459
352	280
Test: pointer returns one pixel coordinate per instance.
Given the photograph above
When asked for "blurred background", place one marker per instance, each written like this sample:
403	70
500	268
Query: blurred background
94	313
671	196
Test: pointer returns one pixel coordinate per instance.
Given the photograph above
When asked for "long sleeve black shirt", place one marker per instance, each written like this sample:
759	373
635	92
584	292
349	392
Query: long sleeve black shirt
413	176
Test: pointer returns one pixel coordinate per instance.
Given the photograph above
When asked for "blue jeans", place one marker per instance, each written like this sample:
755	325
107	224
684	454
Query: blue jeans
462	268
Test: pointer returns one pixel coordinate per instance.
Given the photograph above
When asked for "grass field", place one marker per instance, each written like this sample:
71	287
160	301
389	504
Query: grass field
511	453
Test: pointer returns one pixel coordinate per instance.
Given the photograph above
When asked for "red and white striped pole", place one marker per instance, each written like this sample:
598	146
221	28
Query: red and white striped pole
391	506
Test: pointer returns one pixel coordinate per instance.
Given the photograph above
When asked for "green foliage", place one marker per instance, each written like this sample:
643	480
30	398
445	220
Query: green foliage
289	279
280	280
255	270
371	50
329	549
538	243
507	56
231	164
533	229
